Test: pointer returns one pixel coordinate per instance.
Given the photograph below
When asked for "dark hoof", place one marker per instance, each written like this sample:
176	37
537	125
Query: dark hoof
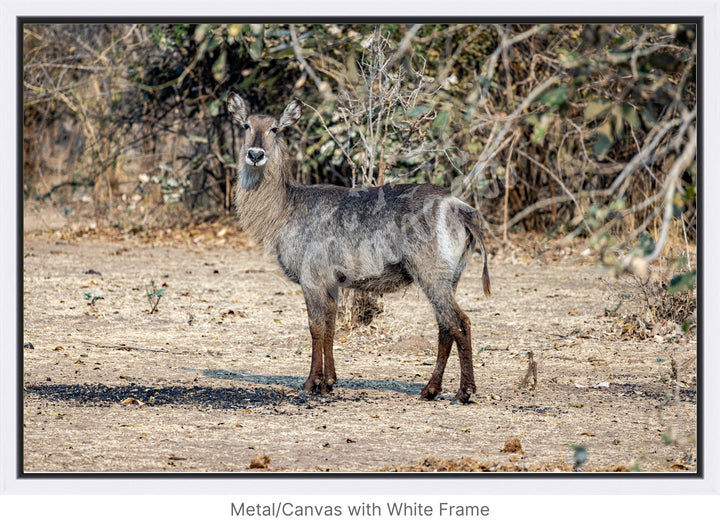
317	386
463	395
429	392
328	384
313	387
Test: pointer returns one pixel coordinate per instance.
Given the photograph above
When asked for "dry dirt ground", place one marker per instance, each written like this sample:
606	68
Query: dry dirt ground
210	382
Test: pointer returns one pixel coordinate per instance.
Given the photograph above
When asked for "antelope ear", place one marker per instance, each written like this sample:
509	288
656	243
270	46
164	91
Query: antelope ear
237	107
291	114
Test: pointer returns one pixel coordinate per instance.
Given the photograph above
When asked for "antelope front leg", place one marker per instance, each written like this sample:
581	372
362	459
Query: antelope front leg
315	381
329	376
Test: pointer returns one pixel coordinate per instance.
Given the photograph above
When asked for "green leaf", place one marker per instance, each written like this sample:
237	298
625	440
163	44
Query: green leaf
678	205
256	48
580	454
684	282
630	116
554	97
649	117
604	142
441	122
617	205
415	112
214	107
541	128
646	244
668	437
596	108
690	193
218	68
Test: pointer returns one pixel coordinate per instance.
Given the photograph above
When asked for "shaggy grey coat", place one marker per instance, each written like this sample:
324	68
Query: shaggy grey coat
375	239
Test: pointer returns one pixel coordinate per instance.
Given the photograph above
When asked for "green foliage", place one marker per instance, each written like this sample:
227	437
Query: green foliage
92	298
669	437
597	108
646	245
580	454
153	294
682	282
554	97
554	111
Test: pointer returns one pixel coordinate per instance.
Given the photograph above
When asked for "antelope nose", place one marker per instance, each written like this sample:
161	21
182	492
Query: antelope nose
255	155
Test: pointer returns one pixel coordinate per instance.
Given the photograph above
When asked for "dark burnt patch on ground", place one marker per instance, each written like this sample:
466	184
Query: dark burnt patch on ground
358	384
199	397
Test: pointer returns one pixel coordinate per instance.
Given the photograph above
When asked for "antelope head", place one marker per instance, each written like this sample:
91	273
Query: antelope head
263	138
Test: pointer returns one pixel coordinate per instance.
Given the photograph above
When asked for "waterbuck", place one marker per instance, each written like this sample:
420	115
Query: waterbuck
374	239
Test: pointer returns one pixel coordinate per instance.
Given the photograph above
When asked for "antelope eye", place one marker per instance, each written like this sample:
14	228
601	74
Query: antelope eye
274	129
246	126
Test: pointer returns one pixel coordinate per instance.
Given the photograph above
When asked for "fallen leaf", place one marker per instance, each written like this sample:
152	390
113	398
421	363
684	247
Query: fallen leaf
512	445
260	461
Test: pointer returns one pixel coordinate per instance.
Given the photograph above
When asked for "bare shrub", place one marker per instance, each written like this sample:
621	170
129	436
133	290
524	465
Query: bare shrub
648	308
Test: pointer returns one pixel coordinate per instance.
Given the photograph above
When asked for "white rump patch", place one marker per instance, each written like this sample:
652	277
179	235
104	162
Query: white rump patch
450	231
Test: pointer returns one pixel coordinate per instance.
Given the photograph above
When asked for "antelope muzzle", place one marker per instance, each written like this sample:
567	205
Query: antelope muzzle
256	157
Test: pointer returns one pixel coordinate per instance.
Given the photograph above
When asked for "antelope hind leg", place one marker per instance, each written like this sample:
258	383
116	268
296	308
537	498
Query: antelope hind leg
467	376
434	385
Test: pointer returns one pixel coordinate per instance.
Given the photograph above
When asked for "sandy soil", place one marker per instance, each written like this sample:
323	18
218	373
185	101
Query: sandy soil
210	382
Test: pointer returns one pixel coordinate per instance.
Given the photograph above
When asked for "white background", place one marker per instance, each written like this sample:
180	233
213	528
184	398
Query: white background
599	503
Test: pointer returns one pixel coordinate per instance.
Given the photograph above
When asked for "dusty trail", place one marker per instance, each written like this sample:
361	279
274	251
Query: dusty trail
212	380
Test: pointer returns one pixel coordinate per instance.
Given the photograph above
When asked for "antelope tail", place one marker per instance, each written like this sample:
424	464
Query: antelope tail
471	221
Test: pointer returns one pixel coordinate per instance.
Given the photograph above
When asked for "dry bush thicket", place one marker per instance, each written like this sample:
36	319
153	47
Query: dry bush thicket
565	130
